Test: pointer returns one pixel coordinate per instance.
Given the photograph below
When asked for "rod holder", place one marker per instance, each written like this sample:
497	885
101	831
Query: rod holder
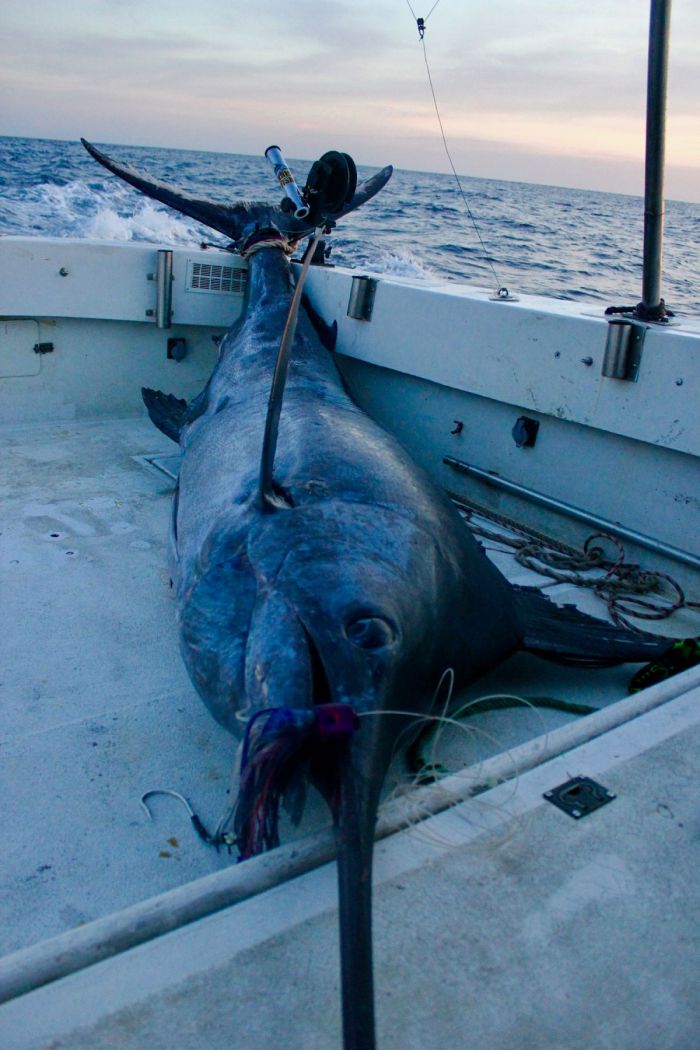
361	301
286	180
164	288
623	349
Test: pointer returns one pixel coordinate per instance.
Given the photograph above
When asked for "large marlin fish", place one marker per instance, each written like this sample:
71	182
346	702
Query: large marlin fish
304	618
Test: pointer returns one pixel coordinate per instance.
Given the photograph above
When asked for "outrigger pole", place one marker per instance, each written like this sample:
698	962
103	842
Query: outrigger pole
652	306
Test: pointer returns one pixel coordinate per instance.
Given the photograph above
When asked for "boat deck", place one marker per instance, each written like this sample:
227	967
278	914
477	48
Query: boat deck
502	924
98	707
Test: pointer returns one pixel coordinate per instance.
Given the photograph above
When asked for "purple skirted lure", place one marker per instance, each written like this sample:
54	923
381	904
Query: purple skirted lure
271	767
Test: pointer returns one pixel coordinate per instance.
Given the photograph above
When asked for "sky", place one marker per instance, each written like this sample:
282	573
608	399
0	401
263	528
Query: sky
549	91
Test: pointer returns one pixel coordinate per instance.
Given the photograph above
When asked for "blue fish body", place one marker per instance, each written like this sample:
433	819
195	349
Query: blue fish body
355	593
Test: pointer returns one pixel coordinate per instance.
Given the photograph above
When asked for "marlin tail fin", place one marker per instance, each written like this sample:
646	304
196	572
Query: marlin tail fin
233	220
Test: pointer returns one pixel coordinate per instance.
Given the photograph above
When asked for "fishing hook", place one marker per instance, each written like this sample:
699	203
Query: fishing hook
165	791
205	836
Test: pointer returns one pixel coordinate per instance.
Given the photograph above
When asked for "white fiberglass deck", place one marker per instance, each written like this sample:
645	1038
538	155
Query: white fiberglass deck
501	924
97	707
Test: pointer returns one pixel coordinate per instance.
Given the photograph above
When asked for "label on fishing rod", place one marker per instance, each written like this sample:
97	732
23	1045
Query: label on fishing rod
286	180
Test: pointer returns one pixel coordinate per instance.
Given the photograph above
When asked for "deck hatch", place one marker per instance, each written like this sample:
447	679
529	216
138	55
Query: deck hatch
164	462
579	796
215	277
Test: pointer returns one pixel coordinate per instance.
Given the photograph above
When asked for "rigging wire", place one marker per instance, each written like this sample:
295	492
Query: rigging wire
424	20
421	23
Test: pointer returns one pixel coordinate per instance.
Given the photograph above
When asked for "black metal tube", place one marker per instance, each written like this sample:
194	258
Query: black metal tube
659	28
641	539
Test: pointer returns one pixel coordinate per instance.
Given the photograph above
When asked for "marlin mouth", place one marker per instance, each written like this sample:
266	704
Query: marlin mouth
321	692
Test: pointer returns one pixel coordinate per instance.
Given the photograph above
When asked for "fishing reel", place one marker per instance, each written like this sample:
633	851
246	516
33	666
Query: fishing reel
330	186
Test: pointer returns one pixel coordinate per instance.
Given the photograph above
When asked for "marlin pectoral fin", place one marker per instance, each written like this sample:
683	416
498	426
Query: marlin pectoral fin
566	633
167	412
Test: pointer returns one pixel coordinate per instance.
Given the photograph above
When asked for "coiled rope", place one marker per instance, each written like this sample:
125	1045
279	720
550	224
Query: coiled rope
627	589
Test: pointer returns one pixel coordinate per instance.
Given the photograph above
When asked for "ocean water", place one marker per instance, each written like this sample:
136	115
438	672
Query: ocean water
568	244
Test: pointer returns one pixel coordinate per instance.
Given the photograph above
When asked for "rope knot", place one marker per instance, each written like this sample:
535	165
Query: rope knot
268	238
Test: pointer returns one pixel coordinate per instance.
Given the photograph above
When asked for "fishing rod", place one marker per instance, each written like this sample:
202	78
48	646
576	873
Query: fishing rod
330	187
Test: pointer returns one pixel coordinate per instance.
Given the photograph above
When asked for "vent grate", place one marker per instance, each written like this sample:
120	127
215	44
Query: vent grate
213	277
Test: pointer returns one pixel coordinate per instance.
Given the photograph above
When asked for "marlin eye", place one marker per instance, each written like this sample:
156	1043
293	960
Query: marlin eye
370	632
